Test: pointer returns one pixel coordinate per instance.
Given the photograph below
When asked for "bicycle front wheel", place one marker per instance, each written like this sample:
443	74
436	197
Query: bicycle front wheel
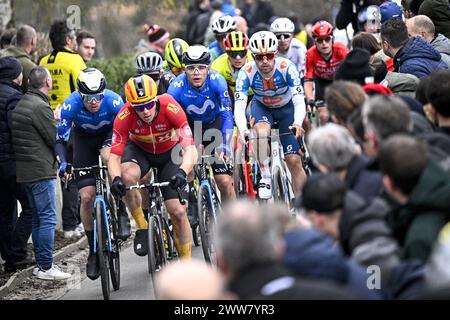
114	254
280	188
156	252
206	218
102	250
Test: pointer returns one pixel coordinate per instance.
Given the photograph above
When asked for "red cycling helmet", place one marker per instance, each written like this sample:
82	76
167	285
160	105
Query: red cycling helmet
322	29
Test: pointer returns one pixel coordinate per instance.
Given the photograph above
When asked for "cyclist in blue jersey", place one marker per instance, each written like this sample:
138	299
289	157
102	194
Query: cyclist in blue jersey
221	27
278	97
204	96
91	111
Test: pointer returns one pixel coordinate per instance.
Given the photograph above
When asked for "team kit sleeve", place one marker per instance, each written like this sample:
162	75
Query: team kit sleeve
121	129
178	120
225	110
298	96
309	66
116	102
240	99
68	111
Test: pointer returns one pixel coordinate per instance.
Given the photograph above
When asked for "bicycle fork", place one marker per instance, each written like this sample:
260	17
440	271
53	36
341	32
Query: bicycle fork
100	201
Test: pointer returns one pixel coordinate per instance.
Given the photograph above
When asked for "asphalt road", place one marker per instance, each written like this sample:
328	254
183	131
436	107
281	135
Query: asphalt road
136	282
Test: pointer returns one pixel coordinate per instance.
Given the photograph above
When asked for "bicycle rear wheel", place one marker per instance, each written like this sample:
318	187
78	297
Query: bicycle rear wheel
114	254
156	252
206	218
280	188
238	174
102	251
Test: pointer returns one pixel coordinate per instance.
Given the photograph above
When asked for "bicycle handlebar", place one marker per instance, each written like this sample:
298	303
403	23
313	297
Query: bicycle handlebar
156	185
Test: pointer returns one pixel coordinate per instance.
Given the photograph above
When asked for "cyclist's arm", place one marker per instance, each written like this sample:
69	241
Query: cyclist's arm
309	76
121	130
298	98
225	111
309	89
68	110
240	100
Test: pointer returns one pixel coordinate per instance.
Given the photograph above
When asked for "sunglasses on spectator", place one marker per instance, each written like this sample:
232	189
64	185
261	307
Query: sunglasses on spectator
284	36
88	98
198	67
260	57
235	54
321	40
145	106
154	76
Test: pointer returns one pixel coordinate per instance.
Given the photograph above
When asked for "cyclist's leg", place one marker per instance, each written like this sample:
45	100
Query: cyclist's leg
182	234
285	118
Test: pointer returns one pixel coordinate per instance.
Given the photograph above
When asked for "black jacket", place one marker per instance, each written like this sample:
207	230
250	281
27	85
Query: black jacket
348	12
367	183
34	135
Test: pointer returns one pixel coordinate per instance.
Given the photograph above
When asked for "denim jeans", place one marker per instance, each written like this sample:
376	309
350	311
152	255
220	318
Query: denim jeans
44	221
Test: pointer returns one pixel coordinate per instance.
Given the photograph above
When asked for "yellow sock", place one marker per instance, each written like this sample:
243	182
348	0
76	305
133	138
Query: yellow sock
138	216
184	250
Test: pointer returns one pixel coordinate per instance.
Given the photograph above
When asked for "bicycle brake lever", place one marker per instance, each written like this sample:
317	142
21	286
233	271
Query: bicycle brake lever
180	197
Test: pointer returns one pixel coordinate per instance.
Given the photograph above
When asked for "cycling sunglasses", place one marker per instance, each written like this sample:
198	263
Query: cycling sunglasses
320	40
88	98
198	67
235	54
145	106
260	57
284	35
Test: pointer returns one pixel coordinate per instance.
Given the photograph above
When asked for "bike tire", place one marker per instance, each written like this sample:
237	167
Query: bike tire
238	174
102	251
205	215
171	252
156	252
278	186
114	254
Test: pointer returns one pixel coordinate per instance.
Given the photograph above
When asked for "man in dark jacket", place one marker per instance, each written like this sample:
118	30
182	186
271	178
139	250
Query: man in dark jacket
348	12
421	189
411	55
14	233
34	135
439	12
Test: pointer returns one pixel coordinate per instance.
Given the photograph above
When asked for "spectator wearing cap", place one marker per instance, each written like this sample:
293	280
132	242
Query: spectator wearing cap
14	232
439	12
333	149
411	55
421	189
355	67
423	26
158	37
390	10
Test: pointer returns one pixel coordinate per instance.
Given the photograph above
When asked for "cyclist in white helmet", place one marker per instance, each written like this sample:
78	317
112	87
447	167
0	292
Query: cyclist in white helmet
278	97
221	27
288	46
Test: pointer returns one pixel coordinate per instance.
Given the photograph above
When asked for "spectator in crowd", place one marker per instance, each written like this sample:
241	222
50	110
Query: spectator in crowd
333	149
65	65
14	233
196	32
158	37
411	55
26	41
438	11
262	12
366	40
422	26
348	12
437	273
390	10
195	9
438	94
421	188
189	280
86	45
241	24
247	12
355	67
229	9
249	249
6	38
411	7
216	13
34	136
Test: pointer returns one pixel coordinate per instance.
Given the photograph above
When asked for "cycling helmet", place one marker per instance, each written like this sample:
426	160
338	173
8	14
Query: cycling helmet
174	52
236	41
196	54
140	89
91	81
223	24
322	28
282	25
148	62
371	14
263	42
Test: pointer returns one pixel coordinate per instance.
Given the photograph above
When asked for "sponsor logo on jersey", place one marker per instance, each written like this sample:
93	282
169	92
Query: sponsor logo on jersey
124	114
248	68
173	108
283	64
161	127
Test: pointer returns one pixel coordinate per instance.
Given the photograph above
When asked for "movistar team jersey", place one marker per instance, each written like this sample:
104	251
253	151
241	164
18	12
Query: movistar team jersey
215	50
273	92
212	100
64	66
74	112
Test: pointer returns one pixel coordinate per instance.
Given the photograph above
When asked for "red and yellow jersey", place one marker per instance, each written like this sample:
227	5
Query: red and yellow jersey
168	128
324	69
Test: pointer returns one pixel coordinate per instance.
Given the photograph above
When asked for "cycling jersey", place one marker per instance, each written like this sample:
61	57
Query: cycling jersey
168	128
207	103
297	54
223	66
317	66
64	66
86	122
275	92
215	50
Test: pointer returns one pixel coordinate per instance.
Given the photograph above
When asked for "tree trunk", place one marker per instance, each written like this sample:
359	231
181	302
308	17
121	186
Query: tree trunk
5	13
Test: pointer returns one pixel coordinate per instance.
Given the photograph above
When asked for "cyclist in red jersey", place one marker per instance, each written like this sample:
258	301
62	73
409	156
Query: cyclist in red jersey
322	61
158	131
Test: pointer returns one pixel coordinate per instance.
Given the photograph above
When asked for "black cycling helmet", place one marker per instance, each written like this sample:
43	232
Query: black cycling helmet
91	81
196	54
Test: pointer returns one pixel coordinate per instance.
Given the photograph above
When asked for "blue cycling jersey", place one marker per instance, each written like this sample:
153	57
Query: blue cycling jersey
215	50
74	112
207	103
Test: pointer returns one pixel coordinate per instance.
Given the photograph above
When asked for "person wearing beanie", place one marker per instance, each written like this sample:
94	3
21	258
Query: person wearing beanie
14	234
158	37
355	67
376	88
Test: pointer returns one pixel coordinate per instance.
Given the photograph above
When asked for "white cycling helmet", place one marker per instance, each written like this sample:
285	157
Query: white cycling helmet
223	24
148	62
196	54
263	42
91	81
282	25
